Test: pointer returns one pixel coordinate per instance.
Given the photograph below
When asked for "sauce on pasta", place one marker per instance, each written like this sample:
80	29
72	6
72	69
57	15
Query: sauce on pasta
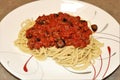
62	37
58	30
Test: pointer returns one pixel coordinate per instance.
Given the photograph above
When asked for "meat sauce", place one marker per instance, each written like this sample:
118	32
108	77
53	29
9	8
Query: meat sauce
58	30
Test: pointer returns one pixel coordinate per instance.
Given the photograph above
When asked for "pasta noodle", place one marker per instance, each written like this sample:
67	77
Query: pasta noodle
68	56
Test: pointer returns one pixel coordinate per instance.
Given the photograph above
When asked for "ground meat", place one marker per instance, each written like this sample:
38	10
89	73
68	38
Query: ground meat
58	30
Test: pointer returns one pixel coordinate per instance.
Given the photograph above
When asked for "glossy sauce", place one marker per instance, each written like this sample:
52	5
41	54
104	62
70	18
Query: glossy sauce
58	30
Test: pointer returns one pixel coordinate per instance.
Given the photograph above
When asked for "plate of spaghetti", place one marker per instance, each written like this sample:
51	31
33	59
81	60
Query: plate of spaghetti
59	40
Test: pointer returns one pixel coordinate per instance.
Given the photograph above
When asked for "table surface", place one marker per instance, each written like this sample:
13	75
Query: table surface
110	6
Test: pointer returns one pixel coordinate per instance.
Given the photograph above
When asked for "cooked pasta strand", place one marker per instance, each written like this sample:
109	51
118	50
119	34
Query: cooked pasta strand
68	56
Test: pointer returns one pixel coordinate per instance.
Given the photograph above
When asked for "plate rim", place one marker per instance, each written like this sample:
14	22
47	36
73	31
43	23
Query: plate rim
60	0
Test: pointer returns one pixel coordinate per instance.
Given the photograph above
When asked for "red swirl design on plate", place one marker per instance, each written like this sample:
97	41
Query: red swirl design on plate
25	65
100	66
95	76
109	50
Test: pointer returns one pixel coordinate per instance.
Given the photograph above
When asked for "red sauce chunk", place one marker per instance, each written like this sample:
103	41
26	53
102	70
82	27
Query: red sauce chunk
58	30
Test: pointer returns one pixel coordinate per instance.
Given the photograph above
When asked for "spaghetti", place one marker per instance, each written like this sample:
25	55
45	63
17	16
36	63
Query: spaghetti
68	56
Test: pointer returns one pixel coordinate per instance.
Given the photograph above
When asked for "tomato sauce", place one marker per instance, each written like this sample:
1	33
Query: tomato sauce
58	30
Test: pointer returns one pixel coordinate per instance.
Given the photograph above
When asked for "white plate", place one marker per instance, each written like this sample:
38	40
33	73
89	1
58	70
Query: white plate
13	59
